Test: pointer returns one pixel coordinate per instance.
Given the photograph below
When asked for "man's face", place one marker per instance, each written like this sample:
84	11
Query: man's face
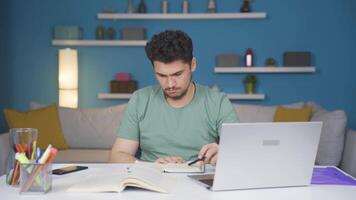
174	78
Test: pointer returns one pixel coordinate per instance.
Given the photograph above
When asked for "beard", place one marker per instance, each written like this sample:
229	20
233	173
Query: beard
176	93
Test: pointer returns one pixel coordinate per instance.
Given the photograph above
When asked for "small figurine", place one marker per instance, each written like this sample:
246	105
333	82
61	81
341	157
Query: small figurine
211	6
270	62
245	6
108	10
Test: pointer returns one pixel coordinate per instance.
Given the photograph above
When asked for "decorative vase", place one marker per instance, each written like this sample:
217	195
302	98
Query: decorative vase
130	8
111	33
249	58
164	6
249	88
141	7
100	32
185	6
245	6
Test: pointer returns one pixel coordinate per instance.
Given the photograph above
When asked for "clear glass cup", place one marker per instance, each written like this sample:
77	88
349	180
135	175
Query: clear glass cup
35	178
21	140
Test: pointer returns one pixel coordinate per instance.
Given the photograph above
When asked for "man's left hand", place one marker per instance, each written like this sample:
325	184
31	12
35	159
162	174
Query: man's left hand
210	152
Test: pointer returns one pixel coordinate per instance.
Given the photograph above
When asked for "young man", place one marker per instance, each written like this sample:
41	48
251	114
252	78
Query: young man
177	120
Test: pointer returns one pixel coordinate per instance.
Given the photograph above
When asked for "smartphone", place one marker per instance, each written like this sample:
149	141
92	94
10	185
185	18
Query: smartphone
69	169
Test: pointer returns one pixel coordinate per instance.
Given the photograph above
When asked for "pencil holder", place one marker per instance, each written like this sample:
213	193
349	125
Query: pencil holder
35	178
22	140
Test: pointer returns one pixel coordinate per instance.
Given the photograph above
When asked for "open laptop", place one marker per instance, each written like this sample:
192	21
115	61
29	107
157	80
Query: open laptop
264	155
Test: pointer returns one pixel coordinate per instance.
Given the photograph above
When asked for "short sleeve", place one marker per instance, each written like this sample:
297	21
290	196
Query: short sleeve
129	127
227	113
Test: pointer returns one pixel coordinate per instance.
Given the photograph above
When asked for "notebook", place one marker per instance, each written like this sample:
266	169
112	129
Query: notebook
264	155
175	168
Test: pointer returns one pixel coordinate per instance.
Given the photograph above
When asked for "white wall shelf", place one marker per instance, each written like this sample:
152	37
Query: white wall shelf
246	96
106	43
114	95
264	69
111	96
181	16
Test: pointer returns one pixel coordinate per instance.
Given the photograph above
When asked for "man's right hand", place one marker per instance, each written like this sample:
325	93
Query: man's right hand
170	159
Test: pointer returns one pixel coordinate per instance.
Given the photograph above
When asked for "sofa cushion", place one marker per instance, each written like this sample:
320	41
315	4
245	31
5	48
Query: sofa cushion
4	151
45	120
92	128
292	114
332	135
256	113
348	163
83	156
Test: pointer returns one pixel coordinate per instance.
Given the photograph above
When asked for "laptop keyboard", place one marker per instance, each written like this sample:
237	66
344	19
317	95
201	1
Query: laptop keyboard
207	181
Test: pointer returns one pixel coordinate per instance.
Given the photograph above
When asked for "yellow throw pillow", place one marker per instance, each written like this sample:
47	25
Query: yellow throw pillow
292	114
45	120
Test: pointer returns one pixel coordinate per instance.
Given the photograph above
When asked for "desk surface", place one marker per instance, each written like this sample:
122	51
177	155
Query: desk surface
185	189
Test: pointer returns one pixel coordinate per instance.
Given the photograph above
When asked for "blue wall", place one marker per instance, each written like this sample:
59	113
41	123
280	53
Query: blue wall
5	69
325	27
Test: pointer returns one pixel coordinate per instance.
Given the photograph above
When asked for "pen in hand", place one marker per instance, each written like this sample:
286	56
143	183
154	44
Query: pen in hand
196	160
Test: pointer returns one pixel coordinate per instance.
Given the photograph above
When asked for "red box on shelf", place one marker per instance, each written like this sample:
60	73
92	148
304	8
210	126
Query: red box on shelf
122	76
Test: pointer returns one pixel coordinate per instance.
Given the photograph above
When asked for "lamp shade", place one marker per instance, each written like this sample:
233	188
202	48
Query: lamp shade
68	69
68	98
68	78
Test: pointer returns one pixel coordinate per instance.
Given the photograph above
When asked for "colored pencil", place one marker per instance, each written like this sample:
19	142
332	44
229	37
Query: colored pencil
16	173
33	150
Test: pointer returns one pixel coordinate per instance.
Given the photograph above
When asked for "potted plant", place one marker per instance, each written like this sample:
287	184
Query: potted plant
250	82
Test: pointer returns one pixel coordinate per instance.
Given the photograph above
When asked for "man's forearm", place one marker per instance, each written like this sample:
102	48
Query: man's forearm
121	157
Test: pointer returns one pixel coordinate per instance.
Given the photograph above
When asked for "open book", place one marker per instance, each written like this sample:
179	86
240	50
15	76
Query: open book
141	176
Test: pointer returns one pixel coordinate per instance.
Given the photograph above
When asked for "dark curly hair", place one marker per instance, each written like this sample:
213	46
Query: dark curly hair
169	46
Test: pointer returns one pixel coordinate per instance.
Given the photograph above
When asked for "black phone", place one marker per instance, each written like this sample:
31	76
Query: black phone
69	169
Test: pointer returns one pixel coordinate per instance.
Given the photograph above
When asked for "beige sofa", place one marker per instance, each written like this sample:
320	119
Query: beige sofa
90	133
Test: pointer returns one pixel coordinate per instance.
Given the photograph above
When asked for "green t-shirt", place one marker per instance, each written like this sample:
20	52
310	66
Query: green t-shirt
163	130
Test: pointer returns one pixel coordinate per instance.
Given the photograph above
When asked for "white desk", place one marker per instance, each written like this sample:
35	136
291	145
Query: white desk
186	189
